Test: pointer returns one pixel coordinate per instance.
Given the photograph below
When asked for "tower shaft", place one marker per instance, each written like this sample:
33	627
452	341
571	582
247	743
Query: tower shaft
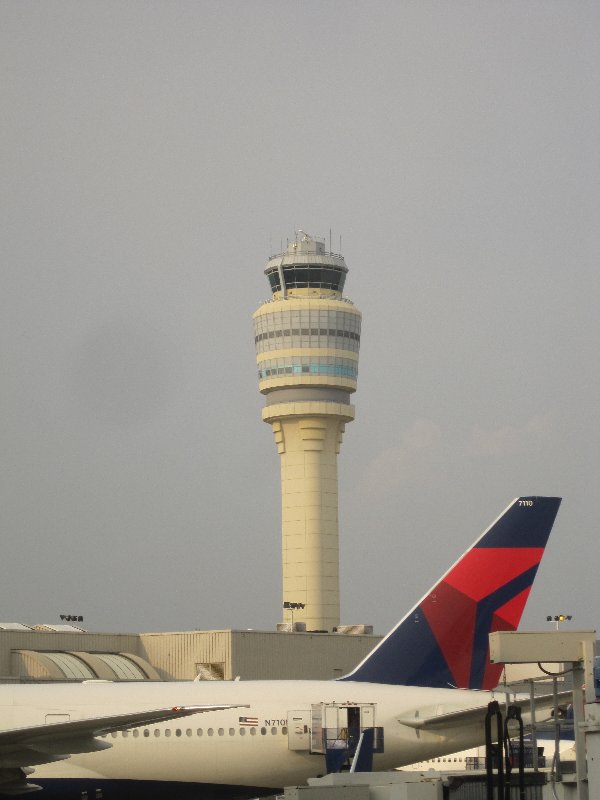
308	443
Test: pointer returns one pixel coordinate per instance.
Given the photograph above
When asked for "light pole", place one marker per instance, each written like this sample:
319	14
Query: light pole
558	618
293	606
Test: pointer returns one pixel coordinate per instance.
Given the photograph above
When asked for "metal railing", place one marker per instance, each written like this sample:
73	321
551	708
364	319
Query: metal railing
348	738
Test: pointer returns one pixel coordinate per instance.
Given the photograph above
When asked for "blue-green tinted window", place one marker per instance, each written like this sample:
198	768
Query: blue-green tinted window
301	365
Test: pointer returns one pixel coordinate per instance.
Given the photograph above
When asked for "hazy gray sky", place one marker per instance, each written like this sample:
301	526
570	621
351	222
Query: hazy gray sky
153	155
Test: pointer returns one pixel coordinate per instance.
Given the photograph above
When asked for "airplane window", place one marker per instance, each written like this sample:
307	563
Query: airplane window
136	733
232	731
284	730
199	732
188	732
114	734
168	732
178	732
146	732
263	731
157	731
210	731
273	731
125	734
242	731
221	731
252	731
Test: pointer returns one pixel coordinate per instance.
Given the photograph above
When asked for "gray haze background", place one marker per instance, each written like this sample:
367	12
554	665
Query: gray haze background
153	155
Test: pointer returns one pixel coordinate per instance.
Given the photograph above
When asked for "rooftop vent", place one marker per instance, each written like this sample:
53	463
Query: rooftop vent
355	630
291	627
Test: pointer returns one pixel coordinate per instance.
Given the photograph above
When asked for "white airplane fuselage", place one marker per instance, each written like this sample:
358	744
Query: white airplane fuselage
213	748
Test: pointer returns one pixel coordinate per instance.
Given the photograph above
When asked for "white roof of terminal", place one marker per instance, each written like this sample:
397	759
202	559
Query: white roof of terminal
14	626
59	628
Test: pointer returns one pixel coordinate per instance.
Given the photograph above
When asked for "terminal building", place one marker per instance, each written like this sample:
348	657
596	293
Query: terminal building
44	653
69	653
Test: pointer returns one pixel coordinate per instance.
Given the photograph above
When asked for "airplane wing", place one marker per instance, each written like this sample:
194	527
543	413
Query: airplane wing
439	723
21	748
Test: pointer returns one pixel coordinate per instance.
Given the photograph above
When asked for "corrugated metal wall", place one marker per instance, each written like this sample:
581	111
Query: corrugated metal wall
253	655
176	656
308	656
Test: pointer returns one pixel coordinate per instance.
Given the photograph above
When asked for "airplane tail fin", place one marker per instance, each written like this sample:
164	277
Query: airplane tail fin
443	640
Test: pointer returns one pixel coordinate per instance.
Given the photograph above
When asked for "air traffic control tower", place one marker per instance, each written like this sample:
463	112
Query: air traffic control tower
307	340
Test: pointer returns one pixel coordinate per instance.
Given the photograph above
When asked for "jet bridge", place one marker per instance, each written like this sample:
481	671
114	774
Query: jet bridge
577	649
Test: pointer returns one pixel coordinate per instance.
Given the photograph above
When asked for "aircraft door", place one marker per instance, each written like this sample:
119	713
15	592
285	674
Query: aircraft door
339	725
299	730
354	724
367	719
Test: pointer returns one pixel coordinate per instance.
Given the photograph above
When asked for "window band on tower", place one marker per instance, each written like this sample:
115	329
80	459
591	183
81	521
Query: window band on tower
307	365
339	330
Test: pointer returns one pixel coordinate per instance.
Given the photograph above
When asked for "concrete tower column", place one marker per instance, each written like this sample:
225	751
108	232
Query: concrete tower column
307	340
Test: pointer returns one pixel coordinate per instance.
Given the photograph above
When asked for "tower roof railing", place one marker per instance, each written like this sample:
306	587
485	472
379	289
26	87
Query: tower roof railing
326	296
330	253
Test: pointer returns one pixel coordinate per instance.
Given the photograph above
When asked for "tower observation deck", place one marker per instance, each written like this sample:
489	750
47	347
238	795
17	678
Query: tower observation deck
307	341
